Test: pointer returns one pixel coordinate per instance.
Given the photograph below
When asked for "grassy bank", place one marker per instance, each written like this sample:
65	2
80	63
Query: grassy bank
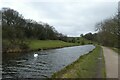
84	67
34	45
48	44
103	71
84	41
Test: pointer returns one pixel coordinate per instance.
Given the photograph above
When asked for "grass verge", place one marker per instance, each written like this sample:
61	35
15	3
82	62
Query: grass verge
35	45
103	66
48	44
84	67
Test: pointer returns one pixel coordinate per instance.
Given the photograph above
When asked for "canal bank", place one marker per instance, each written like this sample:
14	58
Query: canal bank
44	65
36	45
90	65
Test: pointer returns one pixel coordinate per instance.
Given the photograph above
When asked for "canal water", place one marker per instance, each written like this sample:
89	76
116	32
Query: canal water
26	65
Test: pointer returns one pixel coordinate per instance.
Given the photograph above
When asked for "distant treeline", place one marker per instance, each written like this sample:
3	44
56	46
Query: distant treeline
16	29
108	33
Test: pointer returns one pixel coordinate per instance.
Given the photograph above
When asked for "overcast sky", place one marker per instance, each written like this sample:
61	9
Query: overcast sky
70	17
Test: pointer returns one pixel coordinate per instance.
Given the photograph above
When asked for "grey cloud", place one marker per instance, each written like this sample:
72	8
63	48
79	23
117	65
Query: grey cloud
72	18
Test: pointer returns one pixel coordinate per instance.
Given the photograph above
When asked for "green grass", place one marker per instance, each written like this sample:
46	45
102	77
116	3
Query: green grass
46	44
84	67
85	41
103	66
34	45
42	44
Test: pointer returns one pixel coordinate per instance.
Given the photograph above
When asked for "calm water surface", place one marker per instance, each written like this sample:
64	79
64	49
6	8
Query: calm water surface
25	65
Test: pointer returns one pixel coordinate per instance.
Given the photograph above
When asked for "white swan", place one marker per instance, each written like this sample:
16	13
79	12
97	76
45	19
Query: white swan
35	55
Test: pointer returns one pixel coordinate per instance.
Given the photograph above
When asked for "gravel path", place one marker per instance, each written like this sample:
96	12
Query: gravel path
111	62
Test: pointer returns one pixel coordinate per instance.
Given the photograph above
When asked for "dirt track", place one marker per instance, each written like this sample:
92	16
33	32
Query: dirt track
111	62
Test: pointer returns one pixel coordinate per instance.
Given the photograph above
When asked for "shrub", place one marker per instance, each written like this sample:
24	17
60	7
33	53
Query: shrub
82	43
